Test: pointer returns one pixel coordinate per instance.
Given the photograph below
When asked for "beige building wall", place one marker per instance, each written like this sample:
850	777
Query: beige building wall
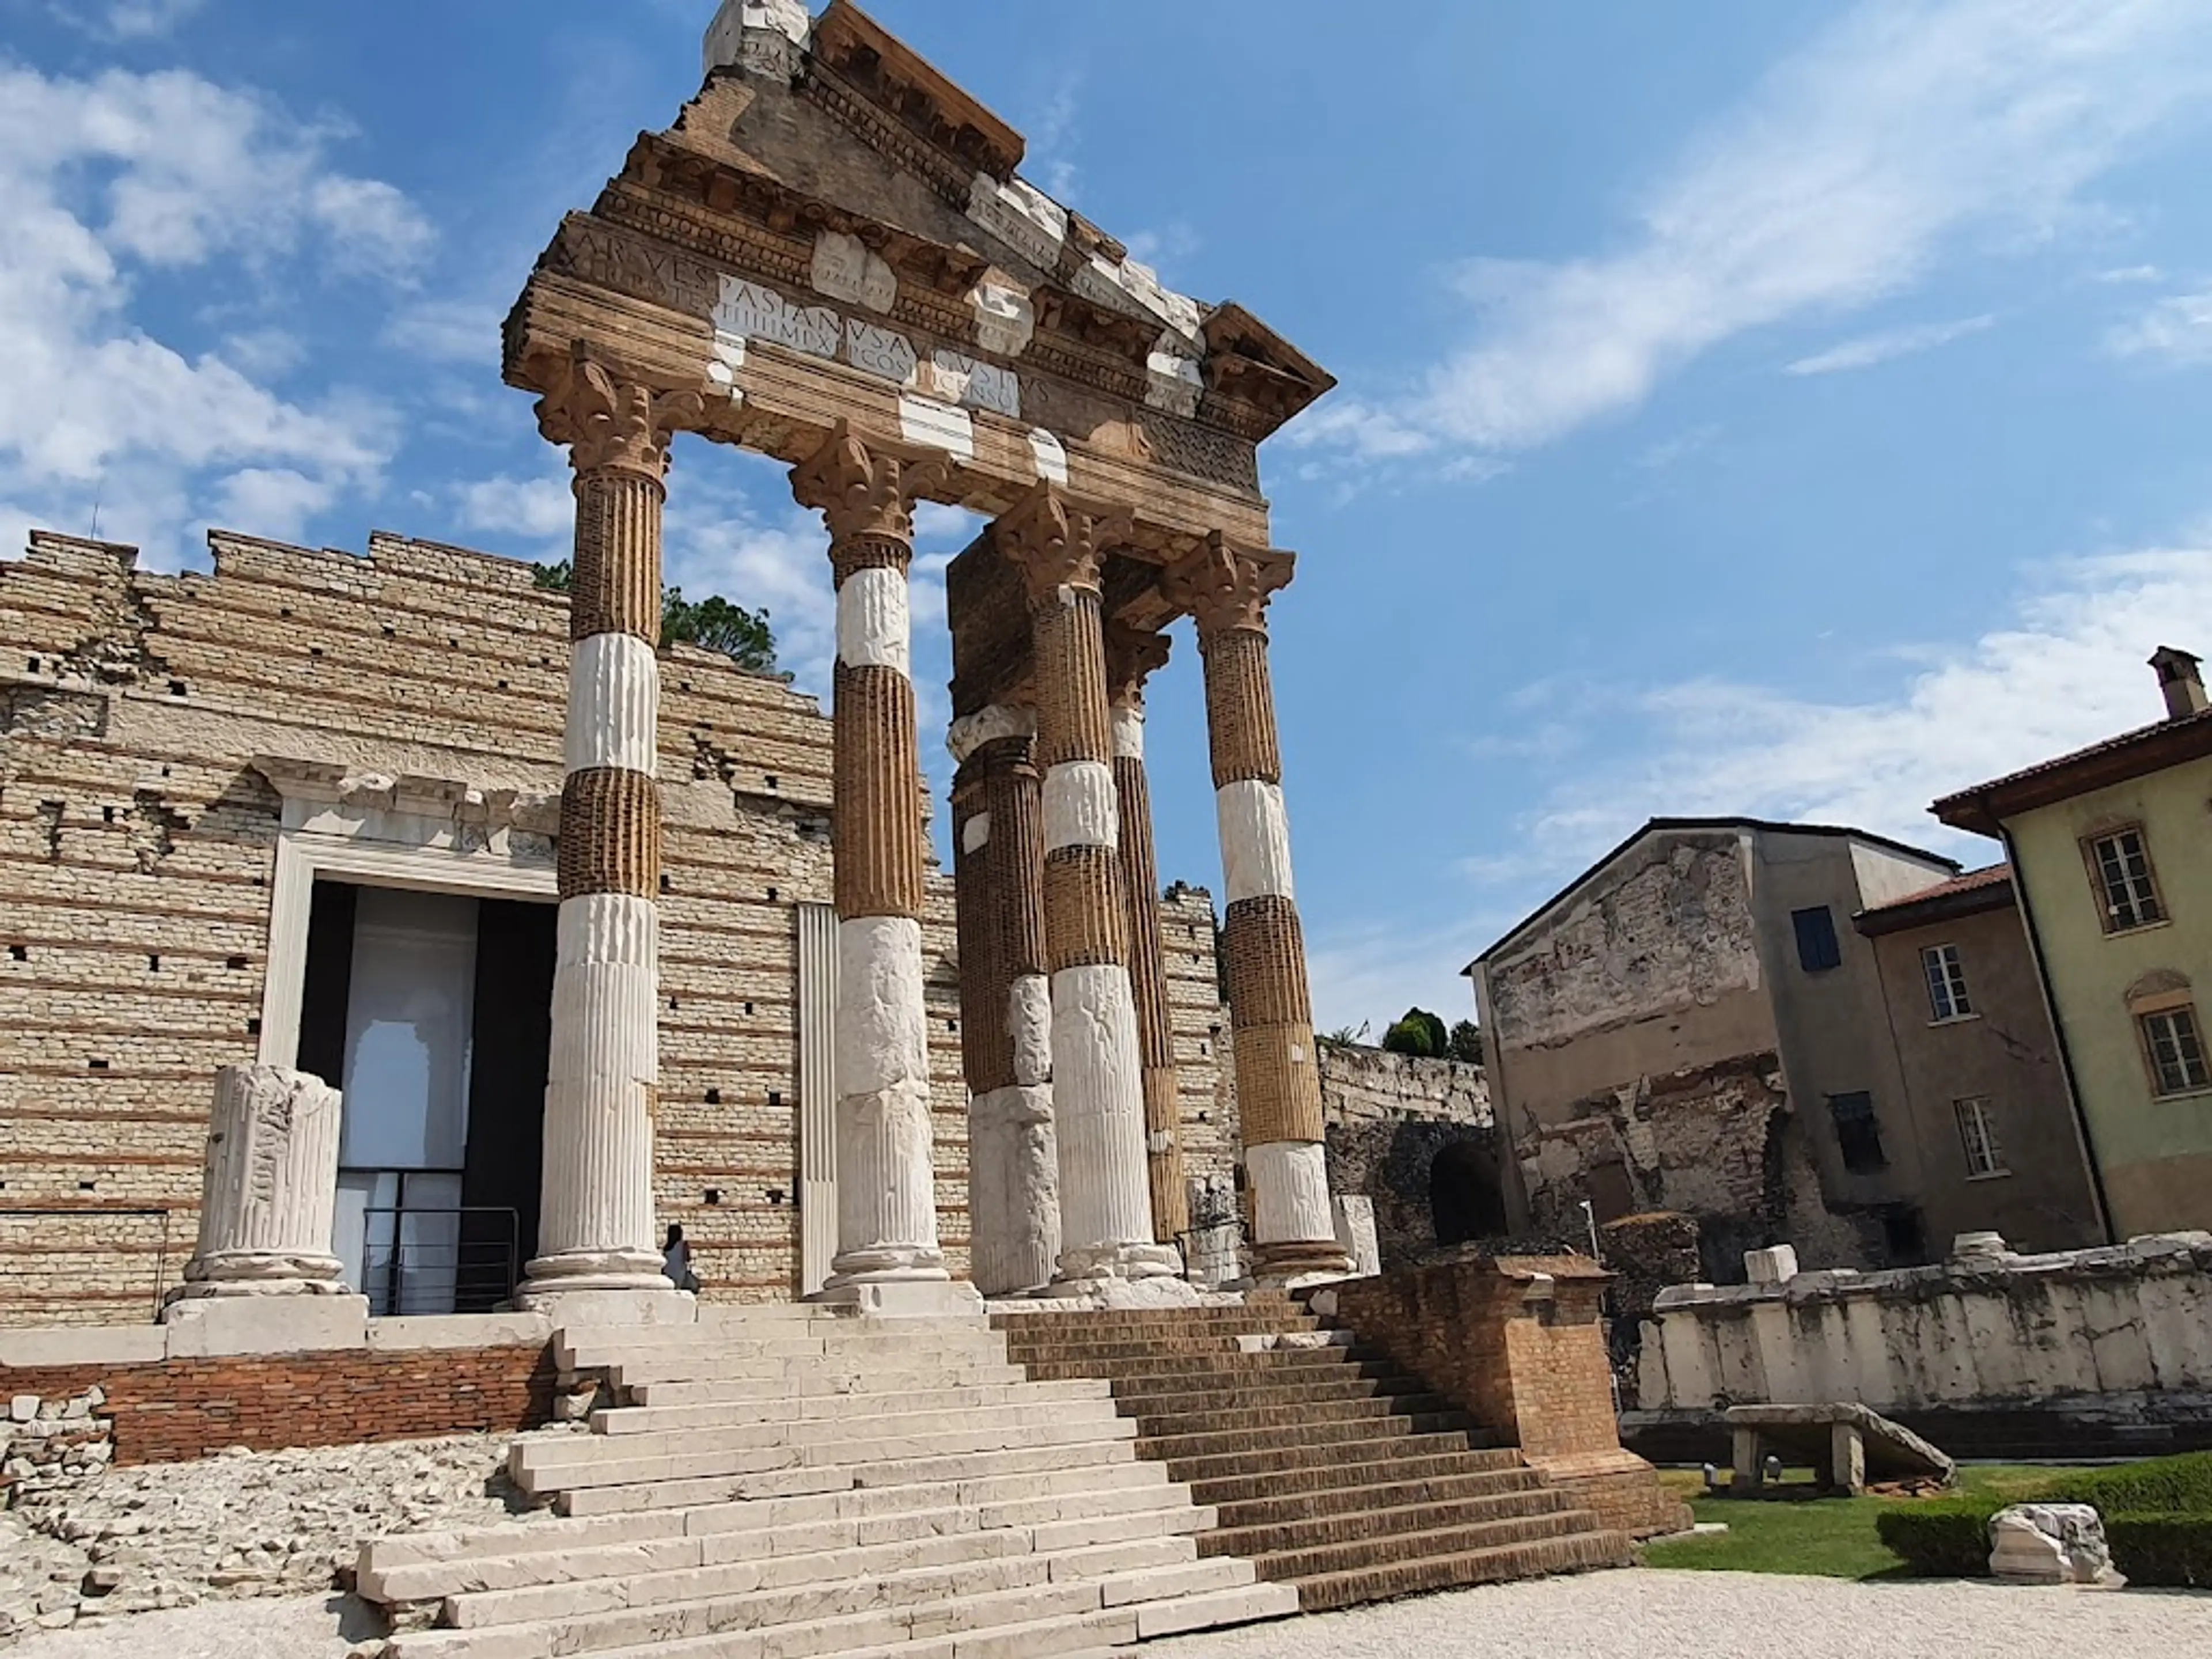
139	864
2155	1153
2003	1052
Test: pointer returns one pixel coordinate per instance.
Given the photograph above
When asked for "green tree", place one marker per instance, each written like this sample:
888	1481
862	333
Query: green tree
712	623
1417	1032
1467	1043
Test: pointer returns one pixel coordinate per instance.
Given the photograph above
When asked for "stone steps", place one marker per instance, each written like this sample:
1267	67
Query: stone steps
1330	1470
759	1492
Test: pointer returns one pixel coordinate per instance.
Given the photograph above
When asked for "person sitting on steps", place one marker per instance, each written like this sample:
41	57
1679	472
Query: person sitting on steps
675	1259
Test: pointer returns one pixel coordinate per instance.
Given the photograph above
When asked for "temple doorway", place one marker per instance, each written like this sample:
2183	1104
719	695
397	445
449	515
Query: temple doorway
432	1013
1464	1200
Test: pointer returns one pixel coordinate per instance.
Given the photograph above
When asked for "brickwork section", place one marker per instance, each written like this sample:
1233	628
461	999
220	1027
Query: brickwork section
879	866
1083	906
1520	1342
610	833
137	848
1206	1082
188	1408
1240	708
616	584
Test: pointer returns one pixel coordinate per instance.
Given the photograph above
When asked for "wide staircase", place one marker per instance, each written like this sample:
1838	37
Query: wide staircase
1328	1469
775	1483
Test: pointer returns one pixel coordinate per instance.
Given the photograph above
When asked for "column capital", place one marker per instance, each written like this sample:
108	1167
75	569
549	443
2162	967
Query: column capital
1134	656
864	487
971	732
609	420
1226	589
1057	541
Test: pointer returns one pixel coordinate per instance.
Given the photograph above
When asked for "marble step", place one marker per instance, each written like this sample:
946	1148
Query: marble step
705	1357
741	1429
775	1379
1312	1436
690	1490
1269	1506
837	1617
648	1416
539	1467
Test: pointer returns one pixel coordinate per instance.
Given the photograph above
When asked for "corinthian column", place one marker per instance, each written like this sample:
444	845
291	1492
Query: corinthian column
595	1229
1005	1003
1098	1102
886	1196
1132	656
1270	1006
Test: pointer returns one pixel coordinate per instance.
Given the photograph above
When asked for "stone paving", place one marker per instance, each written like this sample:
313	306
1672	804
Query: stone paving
1621	1615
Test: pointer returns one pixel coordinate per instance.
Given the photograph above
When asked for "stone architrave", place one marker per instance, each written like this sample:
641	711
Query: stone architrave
888	1258
1098	1101
1005	1002
595	1229
1226	591
268	1193
1132	656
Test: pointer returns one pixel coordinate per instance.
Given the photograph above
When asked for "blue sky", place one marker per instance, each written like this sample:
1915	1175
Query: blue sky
1762	407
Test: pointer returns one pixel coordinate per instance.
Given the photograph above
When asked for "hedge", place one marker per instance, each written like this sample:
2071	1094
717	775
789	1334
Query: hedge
2157	1515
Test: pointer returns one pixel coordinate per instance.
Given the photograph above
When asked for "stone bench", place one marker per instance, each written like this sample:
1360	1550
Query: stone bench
1844	1443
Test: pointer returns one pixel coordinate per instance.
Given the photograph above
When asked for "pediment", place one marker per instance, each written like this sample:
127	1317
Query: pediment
836	221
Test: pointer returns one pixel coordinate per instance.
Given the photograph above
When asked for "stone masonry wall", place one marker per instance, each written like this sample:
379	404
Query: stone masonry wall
136	850
1389	1118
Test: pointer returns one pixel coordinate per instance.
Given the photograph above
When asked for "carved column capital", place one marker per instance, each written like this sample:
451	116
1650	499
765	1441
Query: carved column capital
1134	656
609	420
863	488
971	732
1059	542
1224	588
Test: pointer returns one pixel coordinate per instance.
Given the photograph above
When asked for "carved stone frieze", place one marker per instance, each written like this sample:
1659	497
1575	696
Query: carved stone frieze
607	420
1226	588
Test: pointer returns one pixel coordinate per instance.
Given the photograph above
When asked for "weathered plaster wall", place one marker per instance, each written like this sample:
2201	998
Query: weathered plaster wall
1415	1136
1975	1329
2155	1154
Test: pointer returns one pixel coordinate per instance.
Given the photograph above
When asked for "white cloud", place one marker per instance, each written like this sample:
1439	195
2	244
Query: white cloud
525	509
2066	668
446	330
106	182
275	502
1897	133
1868	349
2176	331
129	20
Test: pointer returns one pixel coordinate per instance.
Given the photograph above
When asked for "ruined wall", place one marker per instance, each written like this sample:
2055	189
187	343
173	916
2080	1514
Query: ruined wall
1388	1120
1987	1327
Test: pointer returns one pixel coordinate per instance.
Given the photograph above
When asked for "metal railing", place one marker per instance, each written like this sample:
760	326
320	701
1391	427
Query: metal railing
107	1213
465	1259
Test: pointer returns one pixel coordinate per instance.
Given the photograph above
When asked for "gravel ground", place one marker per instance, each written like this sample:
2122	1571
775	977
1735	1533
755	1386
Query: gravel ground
1611	1615
1719	1615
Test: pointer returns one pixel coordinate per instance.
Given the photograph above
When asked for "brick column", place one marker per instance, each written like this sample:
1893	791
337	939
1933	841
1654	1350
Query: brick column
1270	1007
1132	656
1105	1208
595	1229
886	1197
1005	1002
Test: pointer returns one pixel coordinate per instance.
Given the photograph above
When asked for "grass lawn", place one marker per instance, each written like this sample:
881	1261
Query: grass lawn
1826	1537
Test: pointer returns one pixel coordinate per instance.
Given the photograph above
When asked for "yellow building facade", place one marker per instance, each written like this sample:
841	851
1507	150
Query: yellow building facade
2112	848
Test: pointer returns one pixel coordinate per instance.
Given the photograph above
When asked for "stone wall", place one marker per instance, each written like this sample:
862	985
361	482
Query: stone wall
1985	1327
1388	1119
137	849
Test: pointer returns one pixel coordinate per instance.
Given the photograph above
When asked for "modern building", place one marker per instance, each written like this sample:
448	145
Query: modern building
2112	849
2000	1147
1693	1025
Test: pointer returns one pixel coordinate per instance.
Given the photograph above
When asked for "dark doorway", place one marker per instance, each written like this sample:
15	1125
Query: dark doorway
1465	1201
433	1014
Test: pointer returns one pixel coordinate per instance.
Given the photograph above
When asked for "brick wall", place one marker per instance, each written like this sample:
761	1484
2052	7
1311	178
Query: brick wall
137	846
186	1408
1531	1369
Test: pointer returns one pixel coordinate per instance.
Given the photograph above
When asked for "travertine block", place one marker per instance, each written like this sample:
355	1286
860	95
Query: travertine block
269	1193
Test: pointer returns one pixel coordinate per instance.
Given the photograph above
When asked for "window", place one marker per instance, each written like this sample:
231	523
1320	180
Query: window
1946	981
2122	864
1978	1133
1817	950
1857	1133
2176	1051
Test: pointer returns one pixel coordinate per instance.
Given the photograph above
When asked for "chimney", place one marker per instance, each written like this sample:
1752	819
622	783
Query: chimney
2181	677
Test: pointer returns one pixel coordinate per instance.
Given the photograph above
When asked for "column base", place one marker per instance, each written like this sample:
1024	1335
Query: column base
887	1264
604	1287
1292	1264
942	1297
1095	1262
262	1272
